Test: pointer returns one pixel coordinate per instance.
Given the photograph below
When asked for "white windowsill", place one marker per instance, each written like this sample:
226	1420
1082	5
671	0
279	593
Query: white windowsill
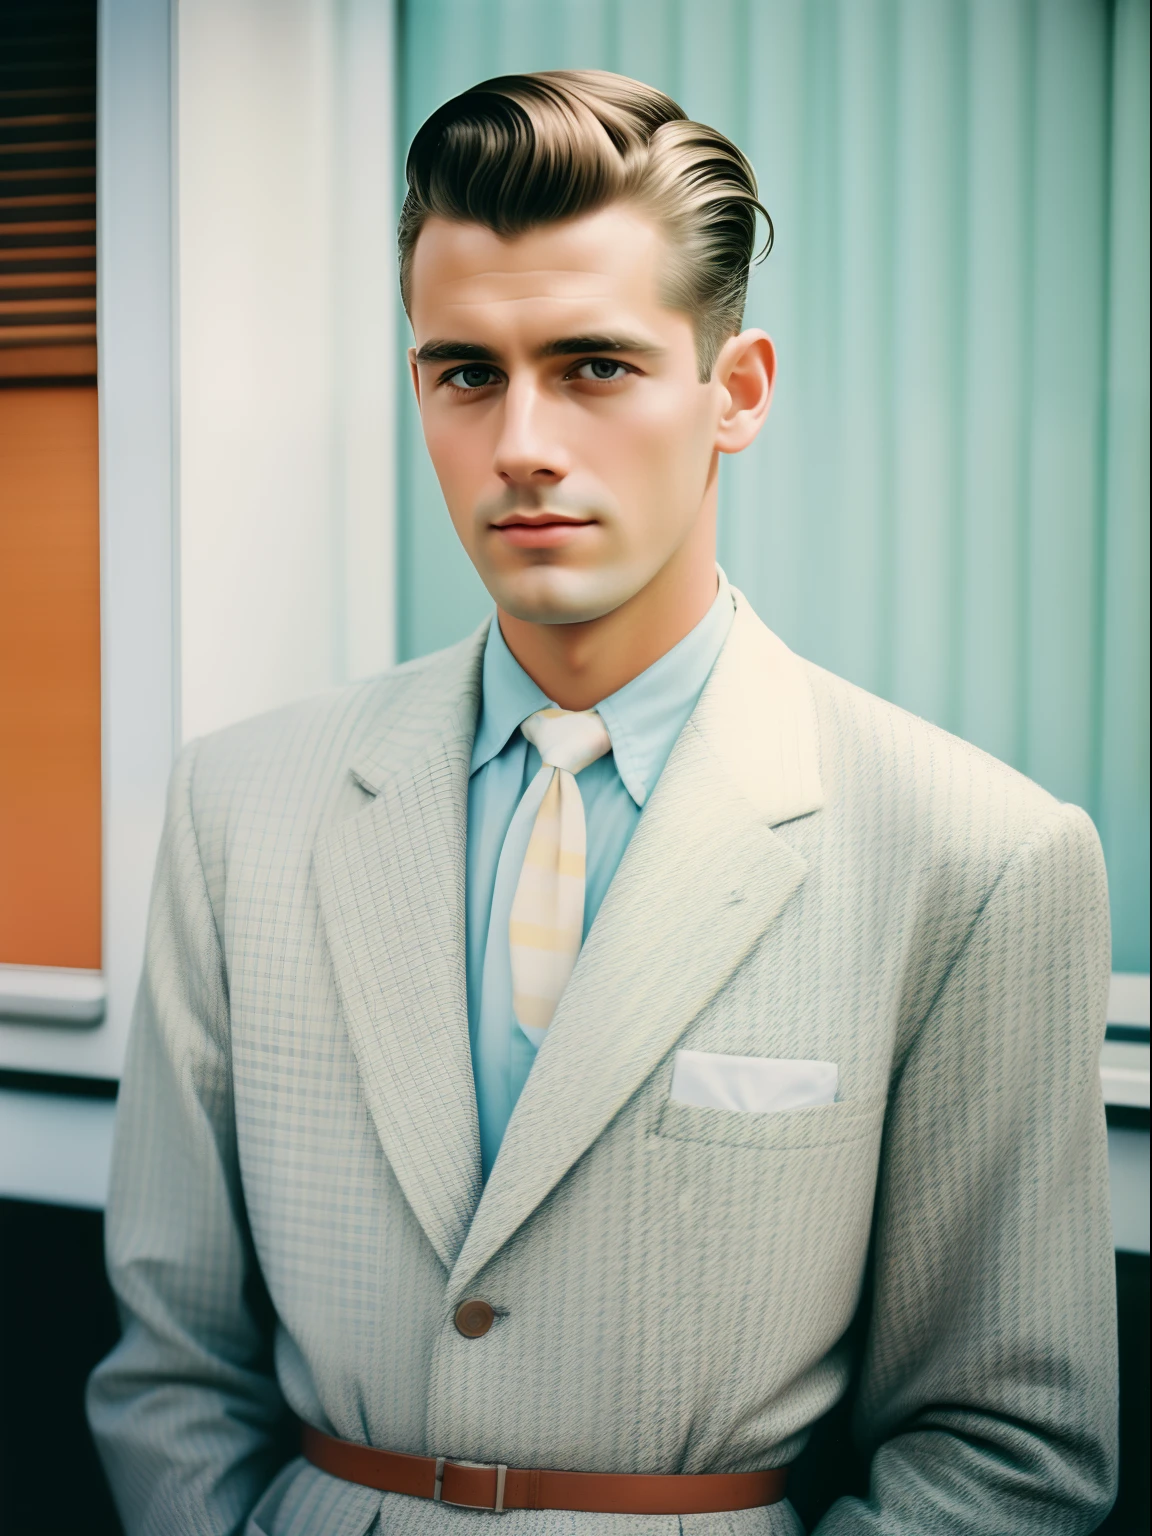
1124	1063
1124	1075
1128	998
55	1148
45	994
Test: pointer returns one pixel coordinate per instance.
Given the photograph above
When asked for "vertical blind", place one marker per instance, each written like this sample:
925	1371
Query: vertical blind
949	504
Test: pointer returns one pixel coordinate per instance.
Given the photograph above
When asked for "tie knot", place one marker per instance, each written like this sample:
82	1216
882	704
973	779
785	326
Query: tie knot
567	738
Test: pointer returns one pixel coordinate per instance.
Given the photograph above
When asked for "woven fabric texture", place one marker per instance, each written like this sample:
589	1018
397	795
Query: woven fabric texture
296	1205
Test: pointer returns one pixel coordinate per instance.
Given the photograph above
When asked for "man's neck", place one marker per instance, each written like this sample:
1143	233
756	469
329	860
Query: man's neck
577	665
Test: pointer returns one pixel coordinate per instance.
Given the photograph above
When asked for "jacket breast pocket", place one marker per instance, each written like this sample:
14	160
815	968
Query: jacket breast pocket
823	1125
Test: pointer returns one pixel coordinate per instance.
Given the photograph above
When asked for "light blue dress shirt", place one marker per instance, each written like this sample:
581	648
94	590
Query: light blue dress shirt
643	719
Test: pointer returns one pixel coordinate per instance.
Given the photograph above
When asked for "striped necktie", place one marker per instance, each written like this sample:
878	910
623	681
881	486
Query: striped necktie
547	923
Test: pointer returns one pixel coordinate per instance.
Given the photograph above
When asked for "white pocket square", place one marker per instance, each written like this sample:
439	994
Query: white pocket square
757	1085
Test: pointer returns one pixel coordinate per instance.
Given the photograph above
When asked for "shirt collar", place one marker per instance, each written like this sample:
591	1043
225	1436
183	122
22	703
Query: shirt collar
508	696
643	718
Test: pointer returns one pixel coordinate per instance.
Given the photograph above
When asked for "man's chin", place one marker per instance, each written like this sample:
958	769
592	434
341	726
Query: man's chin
553	596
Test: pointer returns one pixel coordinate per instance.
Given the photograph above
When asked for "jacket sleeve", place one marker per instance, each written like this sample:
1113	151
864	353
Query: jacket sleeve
987	1399
185	1411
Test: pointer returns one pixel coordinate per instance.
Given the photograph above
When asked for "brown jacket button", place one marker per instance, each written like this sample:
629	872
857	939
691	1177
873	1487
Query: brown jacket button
474	1318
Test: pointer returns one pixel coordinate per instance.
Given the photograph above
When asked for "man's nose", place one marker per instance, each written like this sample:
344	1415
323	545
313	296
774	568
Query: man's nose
529	451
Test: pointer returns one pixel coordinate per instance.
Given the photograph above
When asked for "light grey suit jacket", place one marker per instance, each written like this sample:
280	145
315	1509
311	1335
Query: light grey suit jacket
296	1207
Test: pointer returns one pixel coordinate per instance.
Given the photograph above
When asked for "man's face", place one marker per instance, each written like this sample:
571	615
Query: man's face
573	441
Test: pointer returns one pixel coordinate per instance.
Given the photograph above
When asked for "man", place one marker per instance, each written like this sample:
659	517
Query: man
540	1045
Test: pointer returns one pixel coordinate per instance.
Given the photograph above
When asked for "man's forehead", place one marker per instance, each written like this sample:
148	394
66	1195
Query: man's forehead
541	307
550	285
603	258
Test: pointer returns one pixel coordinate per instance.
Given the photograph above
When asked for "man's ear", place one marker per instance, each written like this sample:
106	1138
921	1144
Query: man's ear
746	371
415	372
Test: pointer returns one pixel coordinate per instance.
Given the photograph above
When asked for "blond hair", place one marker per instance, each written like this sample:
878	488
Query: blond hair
525	150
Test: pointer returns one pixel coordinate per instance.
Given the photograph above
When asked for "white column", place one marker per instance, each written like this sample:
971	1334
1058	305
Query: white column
365	332
286	279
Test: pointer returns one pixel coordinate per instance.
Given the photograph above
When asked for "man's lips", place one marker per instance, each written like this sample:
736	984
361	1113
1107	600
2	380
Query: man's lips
542	531
536	519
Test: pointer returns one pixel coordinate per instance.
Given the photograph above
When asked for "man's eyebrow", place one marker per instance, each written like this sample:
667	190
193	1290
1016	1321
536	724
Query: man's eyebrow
564	346
455	351
570	346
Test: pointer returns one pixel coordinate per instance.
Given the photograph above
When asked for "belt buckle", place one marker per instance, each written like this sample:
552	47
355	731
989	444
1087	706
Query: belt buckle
498	1467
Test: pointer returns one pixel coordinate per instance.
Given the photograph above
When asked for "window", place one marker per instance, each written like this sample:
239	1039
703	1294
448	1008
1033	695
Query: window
50	805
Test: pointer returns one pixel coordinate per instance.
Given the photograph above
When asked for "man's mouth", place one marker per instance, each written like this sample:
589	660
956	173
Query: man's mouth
538	520
539	530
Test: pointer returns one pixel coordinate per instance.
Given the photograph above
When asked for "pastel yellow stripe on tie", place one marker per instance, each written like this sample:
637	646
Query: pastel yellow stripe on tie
536	1012
564	861
539	936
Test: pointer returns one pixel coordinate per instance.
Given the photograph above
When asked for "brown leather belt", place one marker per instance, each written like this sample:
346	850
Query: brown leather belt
495	1487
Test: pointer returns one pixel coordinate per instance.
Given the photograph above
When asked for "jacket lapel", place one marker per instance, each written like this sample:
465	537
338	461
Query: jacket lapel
391	885
702	879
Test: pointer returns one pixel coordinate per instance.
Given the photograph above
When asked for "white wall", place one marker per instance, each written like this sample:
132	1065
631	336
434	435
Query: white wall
286	340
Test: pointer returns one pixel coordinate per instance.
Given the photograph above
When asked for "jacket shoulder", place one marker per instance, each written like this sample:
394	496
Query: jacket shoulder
287	773
325	728
931	825
260	742
873	751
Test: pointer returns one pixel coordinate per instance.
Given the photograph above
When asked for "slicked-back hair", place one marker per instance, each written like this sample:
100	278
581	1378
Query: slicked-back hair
522	151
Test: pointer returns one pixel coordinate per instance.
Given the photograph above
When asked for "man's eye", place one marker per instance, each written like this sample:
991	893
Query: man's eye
475	376
603	370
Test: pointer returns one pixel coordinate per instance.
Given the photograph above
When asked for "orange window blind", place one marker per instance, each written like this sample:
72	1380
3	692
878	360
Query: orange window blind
49	678
49	504
47	188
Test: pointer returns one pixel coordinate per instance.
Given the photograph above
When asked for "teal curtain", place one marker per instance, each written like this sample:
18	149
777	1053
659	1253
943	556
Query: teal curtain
949	504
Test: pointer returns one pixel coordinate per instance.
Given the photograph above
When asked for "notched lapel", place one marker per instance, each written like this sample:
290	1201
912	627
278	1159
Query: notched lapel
701	881
391	884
